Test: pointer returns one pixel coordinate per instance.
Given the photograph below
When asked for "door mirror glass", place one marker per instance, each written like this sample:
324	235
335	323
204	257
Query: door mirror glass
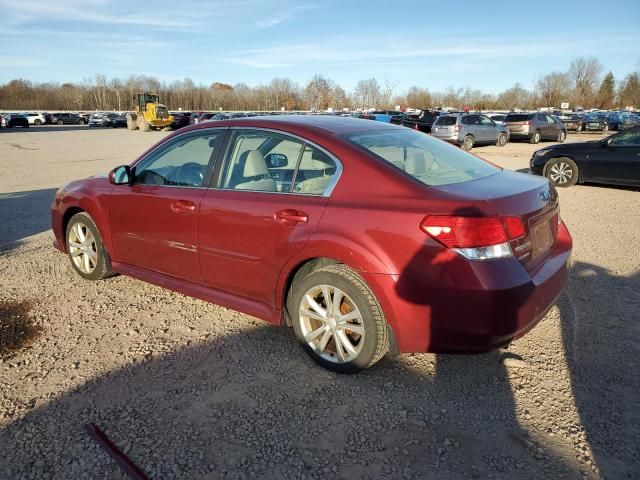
120	175
276	160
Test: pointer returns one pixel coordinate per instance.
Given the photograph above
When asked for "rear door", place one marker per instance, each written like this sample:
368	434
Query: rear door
271	191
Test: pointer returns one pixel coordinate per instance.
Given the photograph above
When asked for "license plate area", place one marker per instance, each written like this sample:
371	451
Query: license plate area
542	237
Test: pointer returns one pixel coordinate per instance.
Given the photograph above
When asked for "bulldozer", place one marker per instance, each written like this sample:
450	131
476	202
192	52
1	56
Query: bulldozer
148	114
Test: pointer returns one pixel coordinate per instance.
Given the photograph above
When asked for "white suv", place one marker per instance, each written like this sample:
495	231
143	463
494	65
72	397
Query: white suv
36	118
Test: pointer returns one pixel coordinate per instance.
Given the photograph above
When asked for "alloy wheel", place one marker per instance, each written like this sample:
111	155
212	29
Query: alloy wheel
331	324
560	173
82	248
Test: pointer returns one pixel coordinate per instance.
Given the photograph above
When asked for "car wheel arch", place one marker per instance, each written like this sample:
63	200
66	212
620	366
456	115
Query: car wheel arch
100	219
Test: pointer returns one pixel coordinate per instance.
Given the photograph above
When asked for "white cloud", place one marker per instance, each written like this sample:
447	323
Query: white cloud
283	16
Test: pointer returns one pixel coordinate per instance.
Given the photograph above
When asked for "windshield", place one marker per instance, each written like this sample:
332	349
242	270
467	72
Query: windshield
426	159
446	120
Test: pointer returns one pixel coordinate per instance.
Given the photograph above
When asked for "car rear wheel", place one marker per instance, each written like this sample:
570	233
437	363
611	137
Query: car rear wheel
86	251
338	319
561	136
579	129
606	128
562	172
502	140
60	122
535	138
37	122
467	143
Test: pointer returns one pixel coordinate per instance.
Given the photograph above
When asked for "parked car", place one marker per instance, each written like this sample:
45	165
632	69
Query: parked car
629	121
572	121
63	118
276	217
109	119
615	160
423	121
497	117
596	122
470	129
180	119
85	117
10	120
388	116
193	118
535	127
614	120
36	118
219	116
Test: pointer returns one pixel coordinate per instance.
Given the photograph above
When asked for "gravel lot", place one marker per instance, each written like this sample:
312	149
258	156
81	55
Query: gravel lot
193	390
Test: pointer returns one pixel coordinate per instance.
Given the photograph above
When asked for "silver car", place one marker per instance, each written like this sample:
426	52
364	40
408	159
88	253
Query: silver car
469	129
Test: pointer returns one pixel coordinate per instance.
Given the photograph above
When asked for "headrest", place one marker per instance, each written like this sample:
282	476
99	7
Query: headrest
320	161
255	165
415	164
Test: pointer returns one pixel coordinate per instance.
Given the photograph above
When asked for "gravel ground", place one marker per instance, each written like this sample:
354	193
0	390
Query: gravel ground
193	390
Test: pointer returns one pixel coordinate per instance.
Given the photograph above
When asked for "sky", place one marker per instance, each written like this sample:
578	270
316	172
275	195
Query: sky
485	44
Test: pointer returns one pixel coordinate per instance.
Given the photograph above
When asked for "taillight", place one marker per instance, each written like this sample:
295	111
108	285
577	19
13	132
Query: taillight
416	126
529	122
456	129
476	238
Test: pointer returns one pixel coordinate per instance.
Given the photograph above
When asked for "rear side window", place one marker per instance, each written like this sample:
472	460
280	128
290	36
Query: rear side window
424	158
518	117
446	121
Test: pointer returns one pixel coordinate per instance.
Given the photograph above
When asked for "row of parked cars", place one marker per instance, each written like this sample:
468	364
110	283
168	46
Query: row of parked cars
97	119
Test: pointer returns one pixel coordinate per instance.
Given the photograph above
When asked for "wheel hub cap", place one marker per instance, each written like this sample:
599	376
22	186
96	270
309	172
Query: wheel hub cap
82	248
331	324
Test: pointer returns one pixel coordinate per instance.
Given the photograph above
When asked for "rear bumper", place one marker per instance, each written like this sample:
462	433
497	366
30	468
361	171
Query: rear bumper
473	306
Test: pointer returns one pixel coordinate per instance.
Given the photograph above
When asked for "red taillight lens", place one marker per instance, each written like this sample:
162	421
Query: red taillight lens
530	122
468	232
416	126
456	129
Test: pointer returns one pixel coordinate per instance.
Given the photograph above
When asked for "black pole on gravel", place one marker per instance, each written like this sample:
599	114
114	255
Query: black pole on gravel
114	452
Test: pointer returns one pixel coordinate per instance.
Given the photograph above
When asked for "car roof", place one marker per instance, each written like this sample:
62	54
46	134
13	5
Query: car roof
336	125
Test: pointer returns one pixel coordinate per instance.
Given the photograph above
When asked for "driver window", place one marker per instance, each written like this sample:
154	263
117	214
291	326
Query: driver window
629	137
486	121
183	163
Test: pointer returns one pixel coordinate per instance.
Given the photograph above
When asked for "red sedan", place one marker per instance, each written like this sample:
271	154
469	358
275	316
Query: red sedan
364	237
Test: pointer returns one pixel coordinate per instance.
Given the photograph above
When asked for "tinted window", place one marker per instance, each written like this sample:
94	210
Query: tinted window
541	117
428	160
629	137
486	121
446	120
473	120
182	163
261	161
518	117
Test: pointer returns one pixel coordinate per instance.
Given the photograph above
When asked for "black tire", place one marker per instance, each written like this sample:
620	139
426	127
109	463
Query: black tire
561	136
502	140
102	267
536	137
556	171
579	129
375	340
37	122
606	128
60	122
81	122
467	143
26	126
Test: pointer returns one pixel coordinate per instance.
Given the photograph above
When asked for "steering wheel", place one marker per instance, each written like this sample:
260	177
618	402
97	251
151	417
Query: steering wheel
190	174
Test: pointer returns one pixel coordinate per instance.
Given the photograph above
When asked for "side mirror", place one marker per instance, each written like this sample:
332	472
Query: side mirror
276	160
120	175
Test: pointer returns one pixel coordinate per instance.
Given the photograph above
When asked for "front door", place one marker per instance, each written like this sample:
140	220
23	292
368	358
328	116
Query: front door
272	192
617	160
154	221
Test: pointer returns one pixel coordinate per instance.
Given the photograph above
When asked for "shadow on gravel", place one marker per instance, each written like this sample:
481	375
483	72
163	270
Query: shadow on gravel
600	316
16	326
23	214
251	405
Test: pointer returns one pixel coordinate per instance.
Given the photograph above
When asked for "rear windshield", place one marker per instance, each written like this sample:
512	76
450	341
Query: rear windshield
423	157
518	117
446	120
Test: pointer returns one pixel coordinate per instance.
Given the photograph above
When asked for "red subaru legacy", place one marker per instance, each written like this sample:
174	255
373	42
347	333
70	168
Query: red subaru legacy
364	237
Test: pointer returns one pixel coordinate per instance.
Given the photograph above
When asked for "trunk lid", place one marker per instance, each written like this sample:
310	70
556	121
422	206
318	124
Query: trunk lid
529	197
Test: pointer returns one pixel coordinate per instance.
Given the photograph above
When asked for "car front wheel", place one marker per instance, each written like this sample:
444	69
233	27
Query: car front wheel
502	140
86	251
467	143
562	172
561	136
338	319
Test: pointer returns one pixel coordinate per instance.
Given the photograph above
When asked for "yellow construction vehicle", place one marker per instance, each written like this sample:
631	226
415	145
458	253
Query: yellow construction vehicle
148	113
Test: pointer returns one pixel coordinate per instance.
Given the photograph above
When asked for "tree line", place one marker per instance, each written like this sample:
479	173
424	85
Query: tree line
584	84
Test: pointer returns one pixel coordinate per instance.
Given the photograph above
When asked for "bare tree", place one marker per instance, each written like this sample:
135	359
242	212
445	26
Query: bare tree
553	88
585	73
